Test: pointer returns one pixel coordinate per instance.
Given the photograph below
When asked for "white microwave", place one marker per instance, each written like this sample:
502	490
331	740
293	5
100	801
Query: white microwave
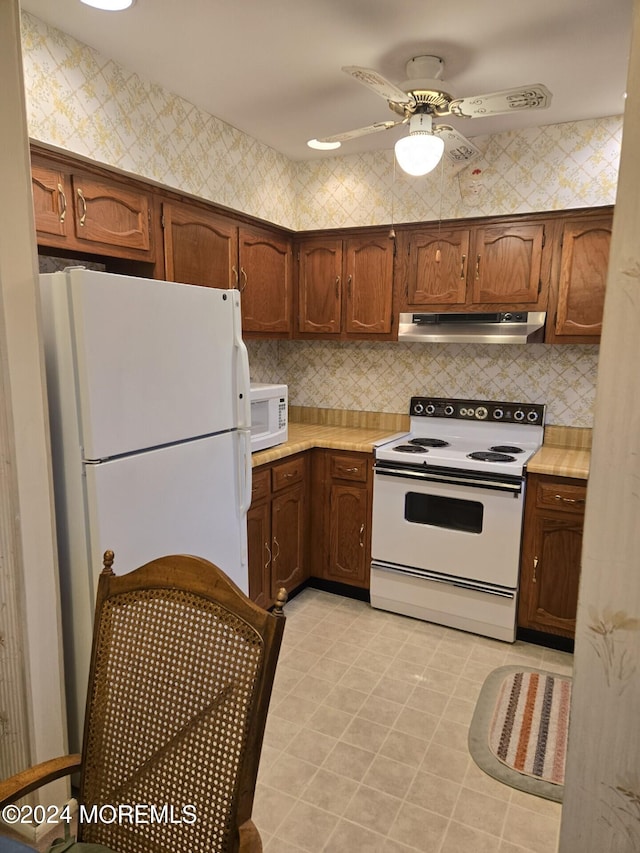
269	415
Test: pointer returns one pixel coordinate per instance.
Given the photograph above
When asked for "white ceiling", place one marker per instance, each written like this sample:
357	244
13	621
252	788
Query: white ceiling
272	67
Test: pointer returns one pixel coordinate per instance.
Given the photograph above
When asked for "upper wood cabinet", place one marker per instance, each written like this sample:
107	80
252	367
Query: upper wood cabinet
204	248
491	267
345	287
579	279
51	199
200	247
266	282
78	211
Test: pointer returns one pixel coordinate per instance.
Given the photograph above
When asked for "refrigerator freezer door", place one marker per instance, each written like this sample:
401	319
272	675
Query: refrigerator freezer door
156	362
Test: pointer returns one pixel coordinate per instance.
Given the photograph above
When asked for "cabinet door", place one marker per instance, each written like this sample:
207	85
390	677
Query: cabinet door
349	531
583	276
320	287
265	282
369	285
259	550
199	247
110	214
50	200
288	511
550	599
507	264
437	267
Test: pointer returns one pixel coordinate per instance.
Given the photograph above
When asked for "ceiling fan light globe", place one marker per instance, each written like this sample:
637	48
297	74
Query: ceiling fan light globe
419	153
109	5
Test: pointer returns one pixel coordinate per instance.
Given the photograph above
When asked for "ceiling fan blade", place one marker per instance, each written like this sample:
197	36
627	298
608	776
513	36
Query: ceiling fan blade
378	84
457	148
534	97
362	131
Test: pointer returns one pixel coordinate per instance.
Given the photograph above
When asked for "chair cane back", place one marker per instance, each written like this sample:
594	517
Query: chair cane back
181	674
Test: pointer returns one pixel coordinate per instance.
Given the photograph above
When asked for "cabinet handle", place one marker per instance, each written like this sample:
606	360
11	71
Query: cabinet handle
478	267
362	535
337	287
350	470
276	544
266	545
535	566
349	277
568	500
464	258
83	200
288	475
63	199
235	276
243	275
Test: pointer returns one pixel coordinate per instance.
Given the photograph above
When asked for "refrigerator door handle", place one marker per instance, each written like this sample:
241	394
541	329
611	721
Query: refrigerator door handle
241	366
245	470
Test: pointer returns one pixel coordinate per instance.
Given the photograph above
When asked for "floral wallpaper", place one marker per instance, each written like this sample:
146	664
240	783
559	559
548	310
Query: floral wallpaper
84	102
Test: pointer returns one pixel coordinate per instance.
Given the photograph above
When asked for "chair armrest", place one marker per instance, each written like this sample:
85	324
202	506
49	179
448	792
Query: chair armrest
250	841
23	783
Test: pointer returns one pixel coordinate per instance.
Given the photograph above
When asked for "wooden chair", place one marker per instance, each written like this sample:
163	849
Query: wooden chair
182	668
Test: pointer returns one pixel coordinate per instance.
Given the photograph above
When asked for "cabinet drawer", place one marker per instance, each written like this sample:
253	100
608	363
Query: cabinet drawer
287	473
561	496
348	468
260	483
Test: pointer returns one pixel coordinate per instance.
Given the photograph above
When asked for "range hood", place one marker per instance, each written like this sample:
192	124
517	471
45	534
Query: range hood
508	327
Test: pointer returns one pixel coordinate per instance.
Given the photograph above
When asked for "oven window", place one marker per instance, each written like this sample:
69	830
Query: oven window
452	513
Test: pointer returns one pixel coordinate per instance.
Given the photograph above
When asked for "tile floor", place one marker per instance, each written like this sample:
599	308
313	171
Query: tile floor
366	742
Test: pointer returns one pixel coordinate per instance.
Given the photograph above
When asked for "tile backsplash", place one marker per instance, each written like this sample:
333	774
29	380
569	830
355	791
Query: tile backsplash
382	377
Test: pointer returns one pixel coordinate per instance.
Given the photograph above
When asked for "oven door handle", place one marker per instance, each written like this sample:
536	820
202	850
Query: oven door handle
426	575
468	480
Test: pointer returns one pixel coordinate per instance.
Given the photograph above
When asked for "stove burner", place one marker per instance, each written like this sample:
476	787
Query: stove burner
429	442
410	448
506	448
489	456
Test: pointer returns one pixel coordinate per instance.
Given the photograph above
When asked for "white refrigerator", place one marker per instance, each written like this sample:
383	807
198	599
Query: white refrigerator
148	385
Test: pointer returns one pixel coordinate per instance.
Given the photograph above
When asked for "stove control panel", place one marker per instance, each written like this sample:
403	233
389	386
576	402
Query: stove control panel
477	410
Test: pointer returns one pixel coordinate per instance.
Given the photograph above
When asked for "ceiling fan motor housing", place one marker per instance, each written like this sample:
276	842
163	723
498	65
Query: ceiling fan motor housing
423	83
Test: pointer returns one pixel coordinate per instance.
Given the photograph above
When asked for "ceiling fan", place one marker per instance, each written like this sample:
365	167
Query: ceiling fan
419	100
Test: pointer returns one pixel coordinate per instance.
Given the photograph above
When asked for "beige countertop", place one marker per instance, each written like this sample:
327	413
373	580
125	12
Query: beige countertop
566	451
306	436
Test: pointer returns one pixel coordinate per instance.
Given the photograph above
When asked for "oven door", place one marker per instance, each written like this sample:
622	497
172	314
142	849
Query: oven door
466	526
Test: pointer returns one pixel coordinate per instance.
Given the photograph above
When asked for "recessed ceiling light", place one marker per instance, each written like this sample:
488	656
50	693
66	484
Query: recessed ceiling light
109	5
323	146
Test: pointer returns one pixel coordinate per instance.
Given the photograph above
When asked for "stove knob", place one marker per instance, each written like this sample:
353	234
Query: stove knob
519	415
430	408
498	414
532	417
418	408
448	410
482	413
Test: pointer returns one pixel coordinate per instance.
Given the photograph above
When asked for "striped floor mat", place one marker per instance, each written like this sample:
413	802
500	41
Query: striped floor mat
528	732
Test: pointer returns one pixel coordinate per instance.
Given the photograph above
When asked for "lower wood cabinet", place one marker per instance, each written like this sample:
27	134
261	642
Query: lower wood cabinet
551	554
277	528
341	515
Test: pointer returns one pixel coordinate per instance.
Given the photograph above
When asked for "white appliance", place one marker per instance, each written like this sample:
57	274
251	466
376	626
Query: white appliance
148	385
269	416
448	504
